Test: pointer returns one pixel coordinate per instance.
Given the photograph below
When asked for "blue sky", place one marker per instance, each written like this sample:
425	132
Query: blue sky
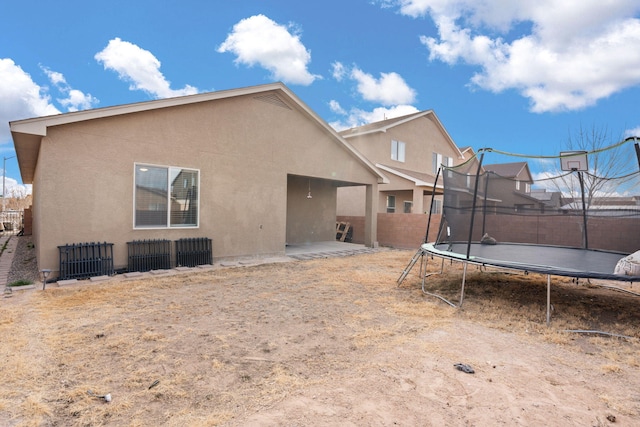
519	76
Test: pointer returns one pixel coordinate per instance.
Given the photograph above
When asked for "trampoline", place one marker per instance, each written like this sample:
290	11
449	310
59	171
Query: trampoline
488	220
554	260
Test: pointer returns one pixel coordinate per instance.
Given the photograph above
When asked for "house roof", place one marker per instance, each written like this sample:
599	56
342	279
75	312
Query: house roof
510	170
527	196
27	134
542	194
418	178
384	125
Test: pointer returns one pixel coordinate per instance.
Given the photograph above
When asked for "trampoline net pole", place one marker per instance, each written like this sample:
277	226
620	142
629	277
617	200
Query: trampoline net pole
585	235
473	204
433	196
548	299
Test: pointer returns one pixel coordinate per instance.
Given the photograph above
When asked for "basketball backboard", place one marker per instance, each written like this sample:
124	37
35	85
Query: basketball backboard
574	161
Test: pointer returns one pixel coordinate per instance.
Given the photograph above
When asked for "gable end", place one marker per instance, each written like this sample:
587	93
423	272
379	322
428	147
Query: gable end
274	99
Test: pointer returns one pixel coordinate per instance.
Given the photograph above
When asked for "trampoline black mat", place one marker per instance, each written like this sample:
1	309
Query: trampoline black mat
553	260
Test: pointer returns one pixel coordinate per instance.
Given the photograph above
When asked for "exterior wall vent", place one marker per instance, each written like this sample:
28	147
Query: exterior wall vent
274	99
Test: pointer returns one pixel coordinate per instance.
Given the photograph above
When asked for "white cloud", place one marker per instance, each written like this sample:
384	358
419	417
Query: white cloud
572	54
338	71
358	117
21	97
14	189
75	99
55	77
139	67
336	107
390	89
632	132
258	40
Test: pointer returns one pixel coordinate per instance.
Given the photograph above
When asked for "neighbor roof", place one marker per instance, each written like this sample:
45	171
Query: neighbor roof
27	134
509	170
384	125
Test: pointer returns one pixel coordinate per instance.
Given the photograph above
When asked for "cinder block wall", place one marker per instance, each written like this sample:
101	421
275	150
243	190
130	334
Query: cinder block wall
401	231
407	231
28	221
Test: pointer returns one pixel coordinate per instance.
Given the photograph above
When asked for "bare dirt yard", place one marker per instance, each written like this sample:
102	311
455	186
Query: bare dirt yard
327	342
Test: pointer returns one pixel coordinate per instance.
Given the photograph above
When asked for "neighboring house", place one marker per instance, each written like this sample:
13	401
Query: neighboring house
409	150
551	199
605	206
235	166
515	187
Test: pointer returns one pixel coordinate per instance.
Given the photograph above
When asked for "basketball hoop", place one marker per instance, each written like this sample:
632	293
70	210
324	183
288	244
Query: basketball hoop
574	161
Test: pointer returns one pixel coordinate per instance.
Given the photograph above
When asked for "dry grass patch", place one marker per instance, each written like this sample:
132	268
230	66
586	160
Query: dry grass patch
221	346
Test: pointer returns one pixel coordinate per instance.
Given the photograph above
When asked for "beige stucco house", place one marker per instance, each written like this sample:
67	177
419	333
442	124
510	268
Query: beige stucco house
408	150
235	166
515	187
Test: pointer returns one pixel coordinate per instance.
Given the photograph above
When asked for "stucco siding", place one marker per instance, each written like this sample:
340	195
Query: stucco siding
422	138
245	150
310	219
351	201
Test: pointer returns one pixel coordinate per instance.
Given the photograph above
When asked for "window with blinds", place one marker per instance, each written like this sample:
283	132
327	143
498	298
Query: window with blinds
165	197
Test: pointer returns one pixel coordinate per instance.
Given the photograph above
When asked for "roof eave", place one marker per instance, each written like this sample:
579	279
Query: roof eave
27	133
417	181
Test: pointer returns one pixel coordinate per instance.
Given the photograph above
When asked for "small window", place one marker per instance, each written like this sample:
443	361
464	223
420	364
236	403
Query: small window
391	204
397	151
439	159
436	208
407	207
517	185
165	197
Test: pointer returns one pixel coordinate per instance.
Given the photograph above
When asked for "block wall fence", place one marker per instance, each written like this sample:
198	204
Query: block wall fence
407	231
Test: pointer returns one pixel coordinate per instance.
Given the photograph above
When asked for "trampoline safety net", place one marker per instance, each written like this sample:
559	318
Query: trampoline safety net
504	202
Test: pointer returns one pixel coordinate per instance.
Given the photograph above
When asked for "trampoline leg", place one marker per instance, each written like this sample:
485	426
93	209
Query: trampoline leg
413	261
464	278
423	273
548	299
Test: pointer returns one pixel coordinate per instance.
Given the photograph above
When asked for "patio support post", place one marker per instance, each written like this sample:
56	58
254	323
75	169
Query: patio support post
418	201
371	216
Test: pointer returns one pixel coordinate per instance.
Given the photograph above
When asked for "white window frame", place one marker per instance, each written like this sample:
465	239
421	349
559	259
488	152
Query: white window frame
168	205
438	159
391	209
408	204
437	207
398	150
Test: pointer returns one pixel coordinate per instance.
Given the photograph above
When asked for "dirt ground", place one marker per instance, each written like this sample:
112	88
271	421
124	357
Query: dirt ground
327	342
